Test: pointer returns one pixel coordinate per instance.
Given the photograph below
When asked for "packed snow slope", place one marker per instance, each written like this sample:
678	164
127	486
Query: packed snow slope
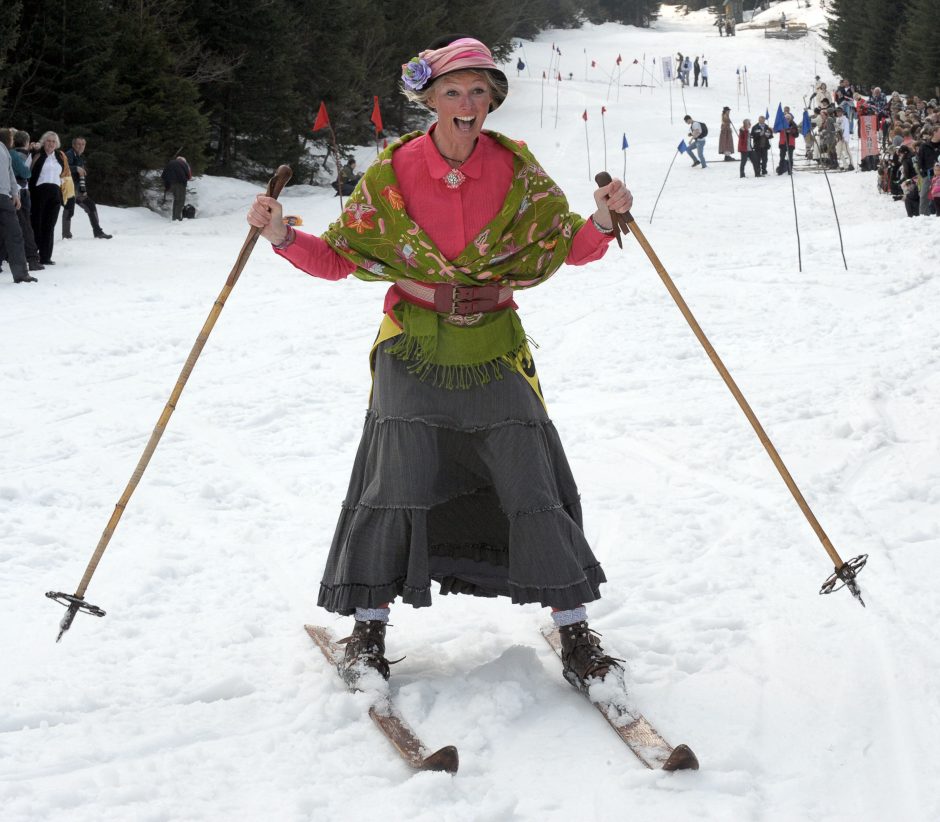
199	696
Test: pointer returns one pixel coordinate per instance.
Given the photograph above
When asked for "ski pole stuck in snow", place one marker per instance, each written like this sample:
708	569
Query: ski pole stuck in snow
845	572
76	602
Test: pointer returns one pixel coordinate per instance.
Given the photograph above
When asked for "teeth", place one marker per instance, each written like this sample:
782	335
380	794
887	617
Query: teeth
467	119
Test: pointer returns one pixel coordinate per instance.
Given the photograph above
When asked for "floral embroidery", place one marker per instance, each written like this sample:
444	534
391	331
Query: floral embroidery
407	255
393	195
359	217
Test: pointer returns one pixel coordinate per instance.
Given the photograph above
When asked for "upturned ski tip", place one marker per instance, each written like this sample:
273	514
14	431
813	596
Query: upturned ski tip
682	758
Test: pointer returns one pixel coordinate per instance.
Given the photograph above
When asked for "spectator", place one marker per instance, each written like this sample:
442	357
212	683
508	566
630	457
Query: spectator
704	73
348	178
787	145
761	135
175	176
81	198
697	131
911	198
20	157
686	70
697	69
50	167
11	237
934	191
843	154
720	22
844	97
928	155
729	26
744	146
725	138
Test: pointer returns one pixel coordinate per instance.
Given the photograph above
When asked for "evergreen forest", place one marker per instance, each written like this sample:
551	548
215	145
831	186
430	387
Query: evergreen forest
235	85
887	43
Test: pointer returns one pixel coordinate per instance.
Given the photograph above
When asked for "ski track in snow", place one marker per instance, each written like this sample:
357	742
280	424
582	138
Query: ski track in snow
199	696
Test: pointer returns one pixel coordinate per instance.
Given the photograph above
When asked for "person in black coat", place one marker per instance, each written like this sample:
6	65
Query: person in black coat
175	176
761	135
49	168
79	173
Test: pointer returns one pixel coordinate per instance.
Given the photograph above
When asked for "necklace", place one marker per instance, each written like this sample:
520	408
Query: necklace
452	160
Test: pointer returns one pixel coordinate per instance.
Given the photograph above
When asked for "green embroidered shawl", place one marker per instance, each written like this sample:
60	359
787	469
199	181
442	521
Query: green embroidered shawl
524	244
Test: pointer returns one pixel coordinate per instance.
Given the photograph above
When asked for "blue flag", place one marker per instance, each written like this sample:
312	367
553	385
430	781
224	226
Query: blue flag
780	122
807	126
767	114
625	145
737	71
682	146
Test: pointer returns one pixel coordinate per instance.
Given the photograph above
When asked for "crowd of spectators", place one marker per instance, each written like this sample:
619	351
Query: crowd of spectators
38	179
908	132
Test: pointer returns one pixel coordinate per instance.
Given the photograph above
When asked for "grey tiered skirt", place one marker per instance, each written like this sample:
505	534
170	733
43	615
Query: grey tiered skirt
469	488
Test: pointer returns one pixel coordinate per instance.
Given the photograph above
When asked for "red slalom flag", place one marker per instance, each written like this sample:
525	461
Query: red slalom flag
323	119
584	116
635	61
559	76
376	116
543	75
603	110
619	59
593	64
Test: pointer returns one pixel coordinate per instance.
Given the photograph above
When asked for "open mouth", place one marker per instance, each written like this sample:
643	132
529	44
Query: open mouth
464	123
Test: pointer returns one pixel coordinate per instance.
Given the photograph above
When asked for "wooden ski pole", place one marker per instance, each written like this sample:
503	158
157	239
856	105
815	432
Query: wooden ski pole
845	572
76	602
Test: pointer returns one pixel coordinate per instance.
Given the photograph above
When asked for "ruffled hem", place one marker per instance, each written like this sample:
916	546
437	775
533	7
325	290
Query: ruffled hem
343	599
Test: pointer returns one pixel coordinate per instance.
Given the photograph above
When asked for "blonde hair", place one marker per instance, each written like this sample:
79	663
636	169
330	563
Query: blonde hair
497	89
42	140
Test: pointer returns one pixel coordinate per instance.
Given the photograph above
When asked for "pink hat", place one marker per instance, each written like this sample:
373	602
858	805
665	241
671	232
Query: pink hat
463	53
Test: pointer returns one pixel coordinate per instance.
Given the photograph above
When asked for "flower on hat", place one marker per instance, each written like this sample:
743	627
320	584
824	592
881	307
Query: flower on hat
415	74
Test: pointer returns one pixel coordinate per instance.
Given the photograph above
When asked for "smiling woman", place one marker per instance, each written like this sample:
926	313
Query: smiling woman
461	477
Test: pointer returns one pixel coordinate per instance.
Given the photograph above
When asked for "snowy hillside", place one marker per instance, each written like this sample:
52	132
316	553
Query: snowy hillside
199	696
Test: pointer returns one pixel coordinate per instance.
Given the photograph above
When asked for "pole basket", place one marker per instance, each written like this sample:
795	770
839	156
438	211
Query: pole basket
846	576
73	606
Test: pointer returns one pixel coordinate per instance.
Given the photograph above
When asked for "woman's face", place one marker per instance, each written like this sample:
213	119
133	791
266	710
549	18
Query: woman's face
49	144
462	102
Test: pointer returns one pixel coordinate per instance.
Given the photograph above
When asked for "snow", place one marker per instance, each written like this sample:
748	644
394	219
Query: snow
200	697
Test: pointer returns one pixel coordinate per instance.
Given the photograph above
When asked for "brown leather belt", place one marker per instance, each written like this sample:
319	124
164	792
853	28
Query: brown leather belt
456	300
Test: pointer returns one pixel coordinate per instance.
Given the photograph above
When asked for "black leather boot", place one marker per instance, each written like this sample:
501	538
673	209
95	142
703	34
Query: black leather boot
583	657
365	648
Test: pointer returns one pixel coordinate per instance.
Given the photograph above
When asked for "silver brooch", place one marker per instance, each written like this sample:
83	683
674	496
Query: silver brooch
453	178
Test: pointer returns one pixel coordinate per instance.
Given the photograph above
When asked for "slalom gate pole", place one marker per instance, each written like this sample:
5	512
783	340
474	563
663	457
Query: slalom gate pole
76	602
845	572
833	198
660	190
796	218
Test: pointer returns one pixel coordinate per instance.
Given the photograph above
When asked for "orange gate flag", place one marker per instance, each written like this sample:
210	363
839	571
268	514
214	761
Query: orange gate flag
323	119
376	116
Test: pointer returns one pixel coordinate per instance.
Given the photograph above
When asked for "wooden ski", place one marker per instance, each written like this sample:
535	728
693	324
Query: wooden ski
634	728
389	721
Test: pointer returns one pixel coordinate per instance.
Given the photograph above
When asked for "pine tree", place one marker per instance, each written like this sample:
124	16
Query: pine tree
879	32
9	34
844	35
916	67
62	79
161	115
